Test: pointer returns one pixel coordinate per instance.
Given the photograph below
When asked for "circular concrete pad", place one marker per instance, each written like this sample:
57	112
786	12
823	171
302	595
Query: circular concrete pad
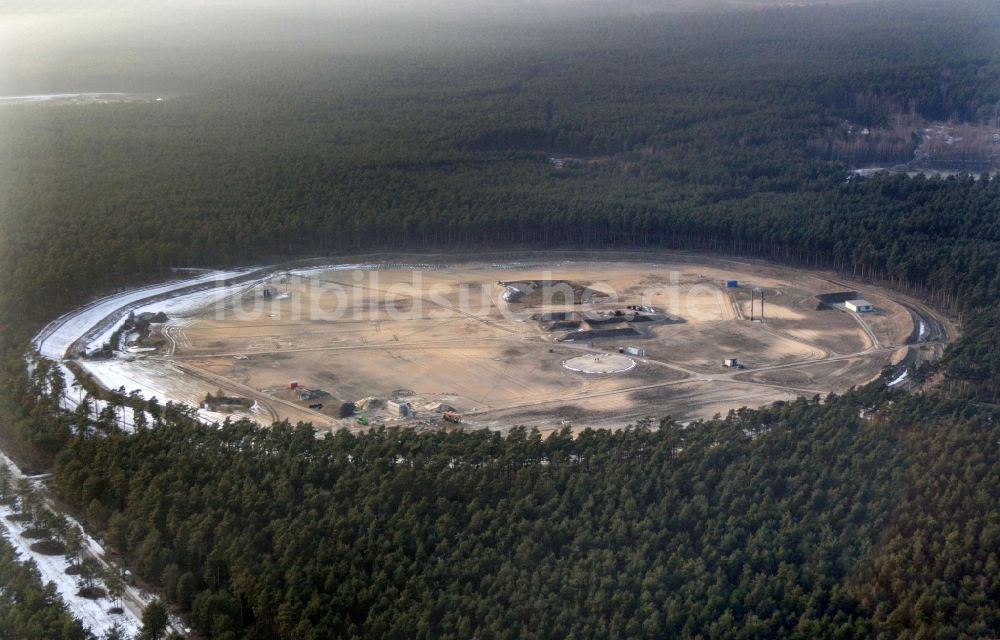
600	363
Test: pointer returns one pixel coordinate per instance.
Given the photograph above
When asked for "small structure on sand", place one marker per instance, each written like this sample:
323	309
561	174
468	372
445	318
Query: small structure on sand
399	409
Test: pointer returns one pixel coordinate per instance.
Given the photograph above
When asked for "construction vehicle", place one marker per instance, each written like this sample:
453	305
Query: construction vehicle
451	416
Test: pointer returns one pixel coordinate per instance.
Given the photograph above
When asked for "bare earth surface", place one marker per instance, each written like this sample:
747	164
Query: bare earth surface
500	344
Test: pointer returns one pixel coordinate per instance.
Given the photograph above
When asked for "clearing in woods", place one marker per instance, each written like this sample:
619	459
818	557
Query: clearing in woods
543	344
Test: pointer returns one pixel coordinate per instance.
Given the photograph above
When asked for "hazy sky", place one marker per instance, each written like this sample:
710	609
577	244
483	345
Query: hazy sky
36	35
42	36
34	24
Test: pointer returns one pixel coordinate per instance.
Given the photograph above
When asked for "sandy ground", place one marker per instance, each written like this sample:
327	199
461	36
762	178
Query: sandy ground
446	334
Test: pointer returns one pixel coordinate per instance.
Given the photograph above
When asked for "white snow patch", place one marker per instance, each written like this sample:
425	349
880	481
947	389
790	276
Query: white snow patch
309	271
53	569
54	340
92	613
75	394
157	379
180	306
194	302
115	374
306	272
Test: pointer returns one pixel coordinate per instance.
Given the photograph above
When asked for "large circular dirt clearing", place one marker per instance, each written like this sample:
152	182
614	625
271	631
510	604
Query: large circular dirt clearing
600	363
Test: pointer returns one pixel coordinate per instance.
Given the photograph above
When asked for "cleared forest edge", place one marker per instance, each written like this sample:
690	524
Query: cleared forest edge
442	333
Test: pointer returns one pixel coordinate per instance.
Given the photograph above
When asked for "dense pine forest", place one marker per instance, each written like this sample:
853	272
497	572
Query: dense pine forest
29	609
801	522
688	132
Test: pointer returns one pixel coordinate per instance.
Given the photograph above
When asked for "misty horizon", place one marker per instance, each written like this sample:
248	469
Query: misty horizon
42	42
